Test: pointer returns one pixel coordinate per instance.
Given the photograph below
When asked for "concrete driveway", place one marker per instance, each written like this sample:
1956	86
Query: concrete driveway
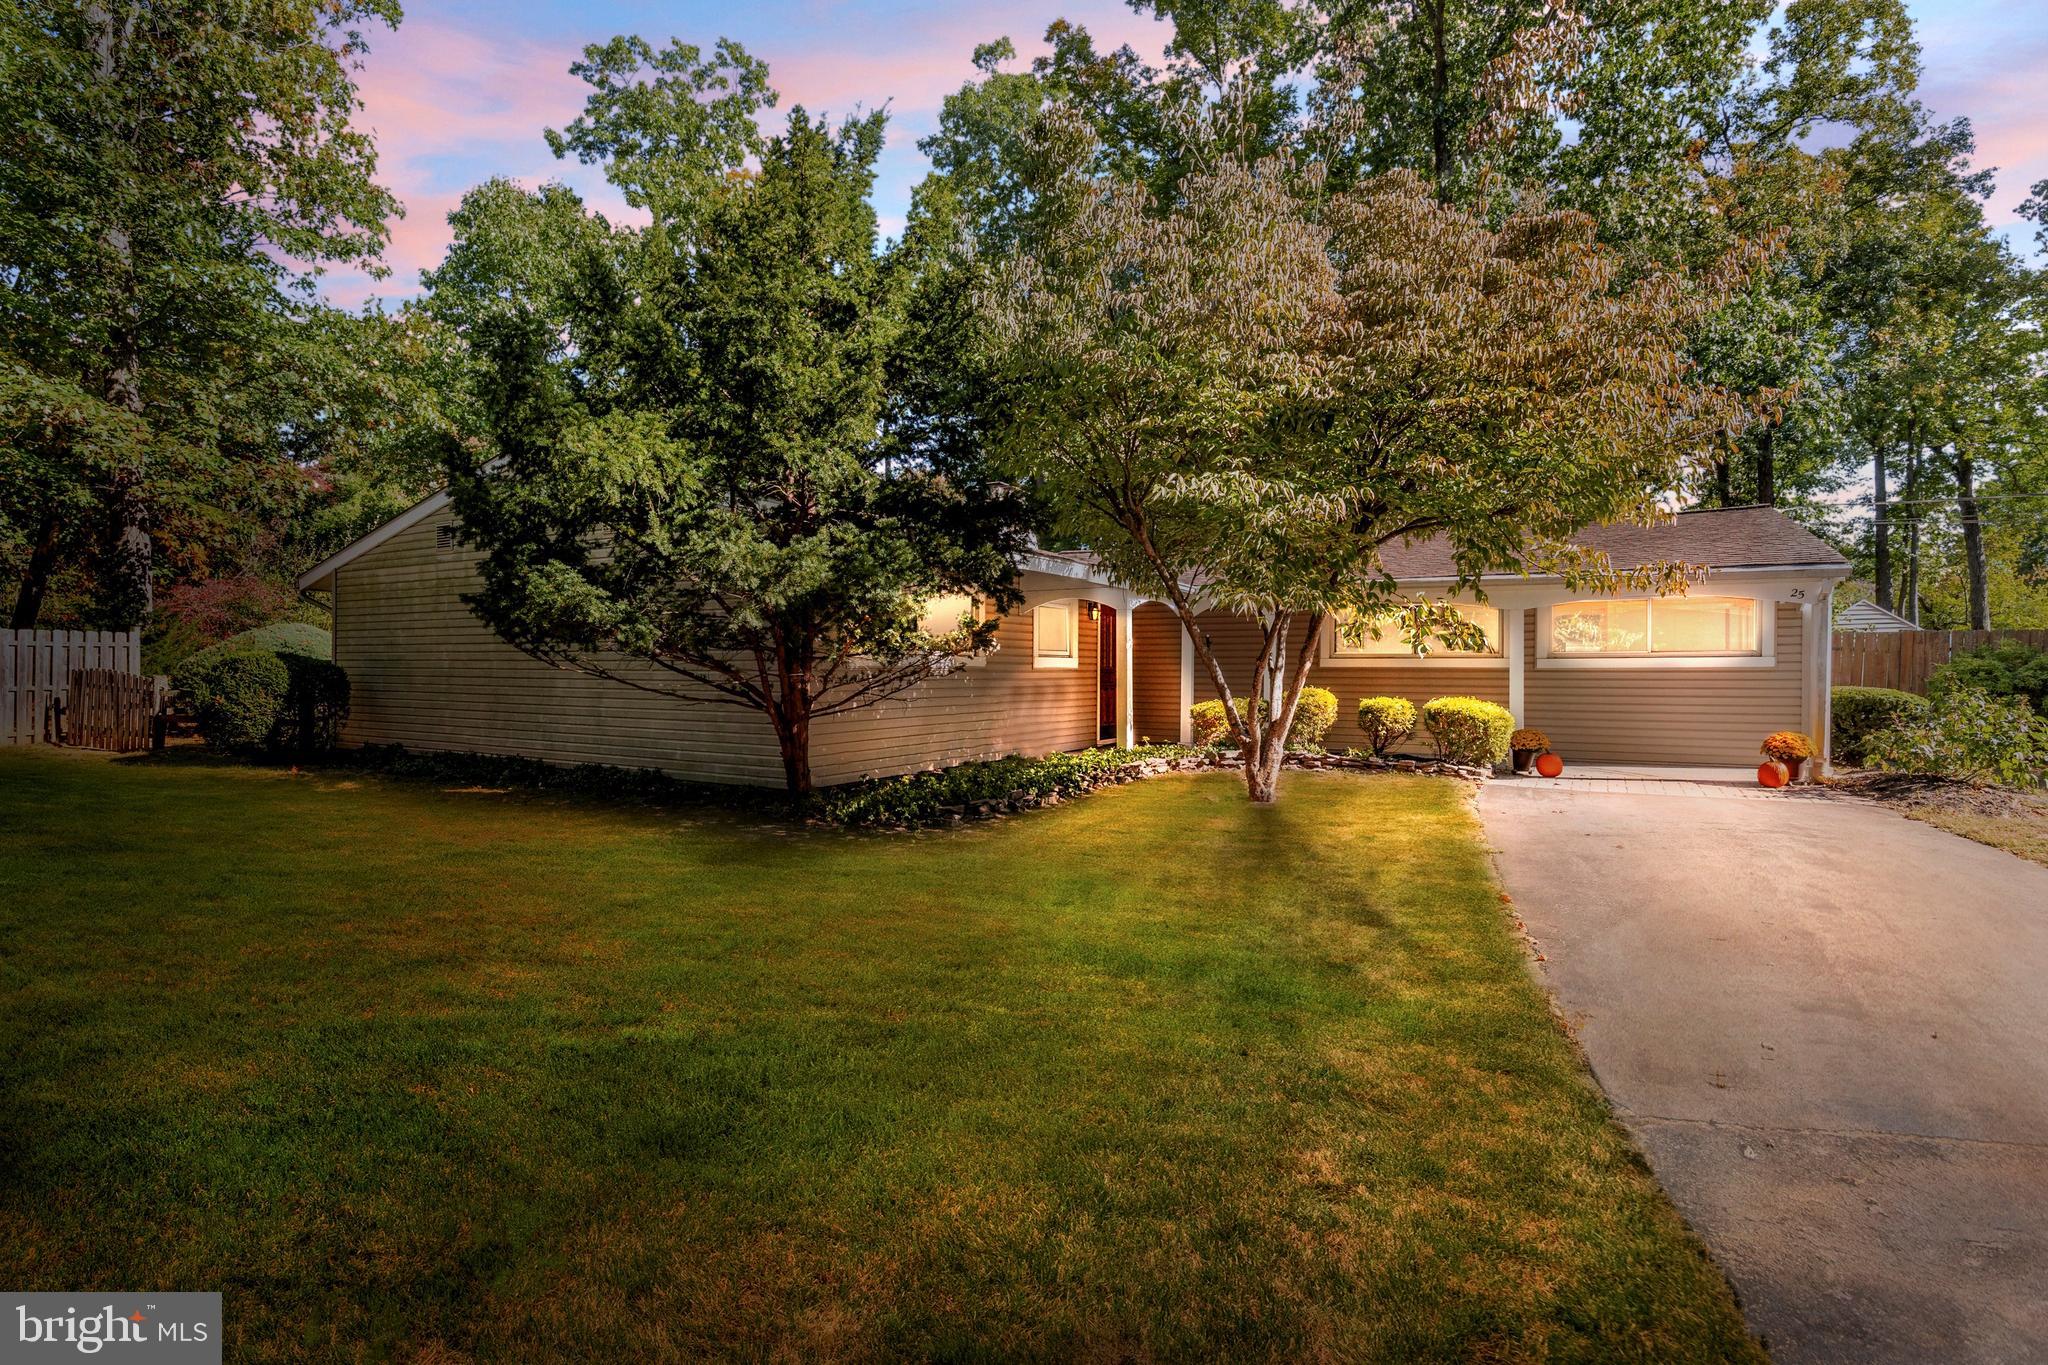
1827	1026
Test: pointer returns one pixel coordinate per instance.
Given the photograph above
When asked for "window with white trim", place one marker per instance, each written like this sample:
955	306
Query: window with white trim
1652	627
947	614
1392	643
1056	635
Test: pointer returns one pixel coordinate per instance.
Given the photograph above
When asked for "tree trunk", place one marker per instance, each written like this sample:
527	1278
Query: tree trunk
1767	466
1973	542
1724	487
1882	567
1909	596
130	594
1439	114
793	735
35	579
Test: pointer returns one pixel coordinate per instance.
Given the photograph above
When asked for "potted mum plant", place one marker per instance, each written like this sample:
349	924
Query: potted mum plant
1790	748
1525	744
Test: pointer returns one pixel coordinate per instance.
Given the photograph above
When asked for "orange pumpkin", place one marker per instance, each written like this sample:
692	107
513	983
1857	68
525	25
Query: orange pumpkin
1549	765
1772	773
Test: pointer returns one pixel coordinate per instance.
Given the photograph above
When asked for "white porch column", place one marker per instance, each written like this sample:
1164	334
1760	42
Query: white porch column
1187	683
1512	622
1817	652
1127	676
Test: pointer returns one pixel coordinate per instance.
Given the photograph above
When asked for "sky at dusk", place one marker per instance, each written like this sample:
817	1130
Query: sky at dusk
463	89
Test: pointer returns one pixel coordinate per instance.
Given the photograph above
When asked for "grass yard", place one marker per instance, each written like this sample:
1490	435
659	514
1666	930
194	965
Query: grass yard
431	1075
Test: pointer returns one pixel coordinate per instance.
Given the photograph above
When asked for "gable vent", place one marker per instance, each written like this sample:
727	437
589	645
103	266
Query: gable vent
445	538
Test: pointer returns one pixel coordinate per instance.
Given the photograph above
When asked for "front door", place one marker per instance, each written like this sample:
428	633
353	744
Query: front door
1105	649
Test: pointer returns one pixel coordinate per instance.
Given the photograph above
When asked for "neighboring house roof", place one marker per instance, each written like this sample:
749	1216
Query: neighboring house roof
1867	615
1720	538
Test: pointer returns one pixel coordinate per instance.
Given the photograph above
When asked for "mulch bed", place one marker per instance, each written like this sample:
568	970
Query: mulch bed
1925	791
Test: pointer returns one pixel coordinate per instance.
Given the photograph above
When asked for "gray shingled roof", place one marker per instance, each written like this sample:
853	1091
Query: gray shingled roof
1723	538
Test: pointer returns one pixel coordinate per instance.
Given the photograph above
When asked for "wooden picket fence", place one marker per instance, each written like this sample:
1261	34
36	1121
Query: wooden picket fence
35	675
105	709
1905	659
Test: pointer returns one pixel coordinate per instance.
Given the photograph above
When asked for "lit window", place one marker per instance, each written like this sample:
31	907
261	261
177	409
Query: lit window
1392	644
1600	628
1703	625
1054	636
947	614
1670	625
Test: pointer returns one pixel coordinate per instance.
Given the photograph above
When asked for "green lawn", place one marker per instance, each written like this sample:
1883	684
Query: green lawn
427	1074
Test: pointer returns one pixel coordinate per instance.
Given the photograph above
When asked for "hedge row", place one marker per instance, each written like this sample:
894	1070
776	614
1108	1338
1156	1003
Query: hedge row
932	798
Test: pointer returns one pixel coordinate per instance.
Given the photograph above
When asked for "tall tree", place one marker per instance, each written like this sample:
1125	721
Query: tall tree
1258	388
171	178
687	483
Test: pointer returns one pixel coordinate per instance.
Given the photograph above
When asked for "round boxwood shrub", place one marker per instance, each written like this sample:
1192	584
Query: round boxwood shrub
290	699
240	697
1314	714
1386	721
1208	725
1863	713
1469	730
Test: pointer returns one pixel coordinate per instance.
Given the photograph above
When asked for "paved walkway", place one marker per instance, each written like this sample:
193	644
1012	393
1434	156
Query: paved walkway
1827	1026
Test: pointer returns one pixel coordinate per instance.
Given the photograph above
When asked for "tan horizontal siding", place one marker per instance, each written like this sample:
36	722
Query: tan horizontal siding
1666	715
426	674
1235	640
1155	662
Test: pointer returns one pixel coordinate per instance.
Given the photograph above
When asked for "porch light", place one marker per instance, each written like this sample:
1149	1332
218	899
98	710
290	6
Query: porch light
1095	611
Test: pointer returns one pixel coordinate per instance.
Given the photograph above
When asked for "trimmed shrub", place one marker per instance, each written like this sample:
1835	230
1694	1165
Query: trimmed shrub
1386	722
239	698
1863	713
1313	717
1970	735
306	693
2009	668
1209	726
1468	730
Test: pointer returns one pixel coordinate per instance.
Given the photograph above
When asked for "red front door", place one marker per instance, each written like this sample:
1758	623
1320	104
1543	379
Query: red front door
1105	646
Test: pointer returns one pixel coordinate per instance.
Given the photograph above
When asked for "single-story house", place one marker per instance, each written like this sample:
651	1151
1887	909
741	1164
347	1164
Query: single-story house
1693	679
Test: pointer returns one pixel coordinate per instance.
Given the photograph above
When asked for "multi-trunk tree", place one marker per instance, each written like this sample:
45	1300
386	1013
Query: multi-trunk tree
1240	397
701	471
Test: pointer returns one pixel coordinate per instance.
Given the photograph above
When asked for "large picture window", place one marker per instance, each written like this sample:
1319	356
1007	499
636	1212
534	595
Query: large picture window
1676	626
1393	644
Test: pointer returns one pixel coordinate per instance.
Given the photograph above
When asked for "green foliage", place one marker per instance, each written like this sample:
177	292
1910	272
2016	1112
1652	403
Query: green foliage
238	696
934	797
1970	735
721	422
1862	713
175	176
1212	727
275	687
1468	730
1386	722
1198	388
1314	714
2008	668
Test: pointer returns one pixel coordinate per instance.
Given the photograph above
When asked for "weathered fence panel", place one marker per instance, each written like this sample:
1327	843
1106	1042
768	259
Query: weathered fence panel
105	709
1906	659
35	674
